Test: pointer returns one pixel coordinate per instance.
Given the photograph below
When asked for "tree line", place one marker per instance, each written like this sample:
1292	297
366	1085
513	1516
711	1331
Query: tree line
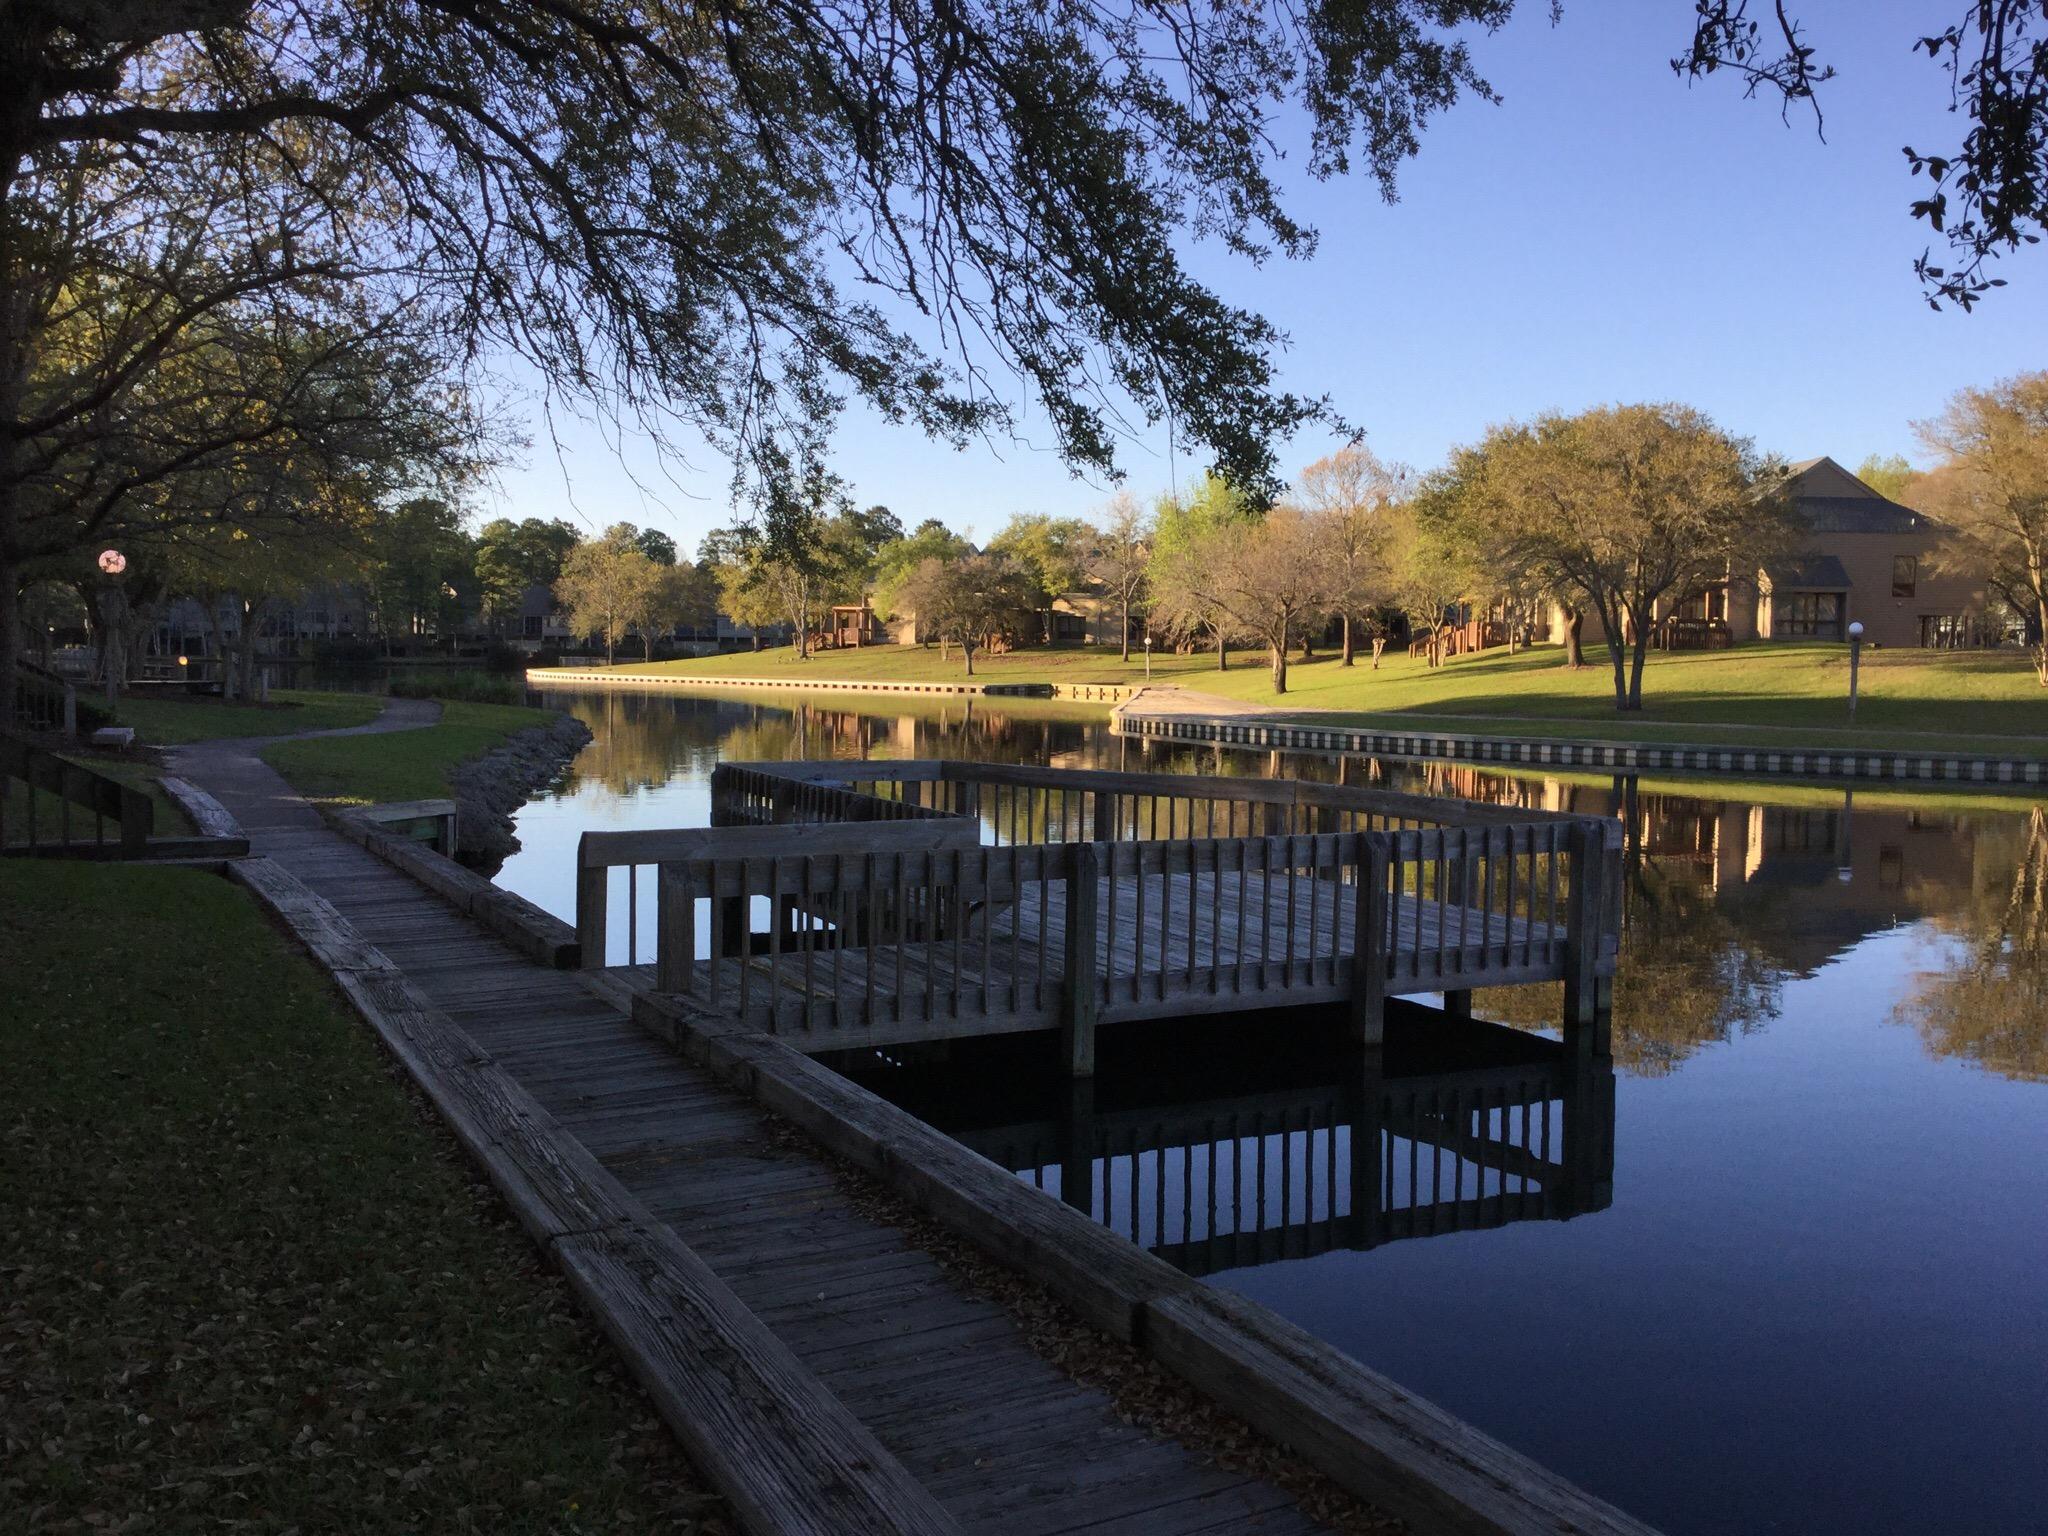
1611	518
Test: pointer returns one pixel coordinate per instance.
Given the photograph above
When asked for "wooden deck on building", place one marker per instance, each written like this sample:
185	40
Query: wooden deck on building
943	1377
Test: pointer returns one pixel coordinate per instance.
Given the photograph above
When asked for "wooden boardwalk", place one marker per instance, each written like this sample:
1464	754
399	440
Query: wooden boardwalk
944	1378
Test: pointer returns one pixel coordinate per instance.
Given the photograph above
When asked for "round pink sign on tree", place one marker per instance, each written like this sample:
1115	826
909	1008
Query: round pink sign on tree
113	562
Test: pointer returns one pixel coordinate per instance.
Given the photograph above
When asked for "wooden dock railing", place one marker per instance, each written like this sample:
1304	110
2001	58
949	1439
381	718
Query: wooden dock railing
864	903
28	773
606	860
42	702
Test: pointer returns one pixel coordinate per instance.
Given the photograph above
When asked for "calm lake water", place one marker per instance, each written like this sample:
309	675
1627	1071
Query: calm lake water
1808	1297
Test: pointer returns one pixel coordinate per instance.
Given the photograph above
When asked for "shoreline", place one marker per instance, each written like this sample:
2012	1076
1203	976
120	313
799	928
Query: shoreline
1911	765
1194	717
617	677
490	788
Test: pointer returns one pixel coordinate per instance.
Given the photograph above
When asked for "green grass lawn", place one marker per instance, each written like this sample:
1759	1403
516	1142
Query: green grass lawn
1795	695
49	824
249	1283
401	765
168	721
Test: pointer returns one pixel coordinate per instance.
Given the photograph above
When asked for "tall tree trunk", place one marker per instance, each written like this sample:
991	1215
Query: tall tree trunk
1617	655
1279	655
611	647
2040	584
967	655
1379	646
217	637
10	634
1348	653
1635	679
1574	637
1222	650
245	660
1126	608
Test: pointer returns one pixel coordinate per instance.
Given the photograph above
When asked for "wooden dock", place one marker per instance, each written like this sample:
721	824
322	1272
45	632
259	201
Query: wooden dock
825	1369
844	904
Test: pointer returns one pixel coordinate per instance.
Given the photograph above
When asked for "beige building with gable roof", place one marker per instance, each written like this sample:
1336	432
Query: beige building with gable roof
1866	560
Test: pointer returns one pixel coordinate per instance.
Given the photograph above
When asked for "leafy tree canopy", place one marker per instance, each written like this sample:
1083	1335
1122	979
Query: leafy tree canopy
656	546
1633	507
1990	485
1052	550
1890	475
895	561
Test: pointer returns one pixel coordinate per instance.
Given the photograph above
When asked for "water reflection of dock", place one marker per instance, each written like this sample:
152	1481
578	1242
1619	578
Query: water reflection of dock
1455	1126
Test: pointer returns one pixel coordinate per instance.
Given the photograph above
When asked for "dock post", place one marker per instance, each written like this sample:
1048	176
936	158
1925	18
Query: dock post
1274	818
1364	1100
593	889
1585	1010
1588	1130
1078	1003
1105	816
675	931
1077	1147
1368	941
137	814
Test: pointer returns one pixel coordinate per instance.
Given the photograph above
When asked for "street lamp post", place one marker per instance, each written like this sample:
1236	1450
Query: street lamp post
113	608
1855	661
1148	656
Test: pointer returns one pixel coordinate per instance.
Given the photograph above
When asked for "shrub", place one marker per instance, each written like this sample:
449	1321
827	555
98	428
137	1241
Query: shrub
470	685
504	658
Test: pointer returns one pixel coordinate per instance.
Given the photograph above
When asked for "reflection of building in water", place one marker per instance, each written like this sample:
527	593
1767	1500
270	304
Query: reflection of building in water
1803	883
1454	1126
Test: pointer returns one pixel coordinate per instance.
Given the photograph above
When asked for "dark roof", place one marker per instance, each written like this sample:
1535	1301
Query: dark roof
1858	514
1817	573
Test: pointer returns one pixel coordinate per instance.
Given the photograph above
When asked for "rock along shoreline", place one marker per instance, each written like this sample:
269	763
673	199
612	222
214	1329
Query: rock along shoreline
488	789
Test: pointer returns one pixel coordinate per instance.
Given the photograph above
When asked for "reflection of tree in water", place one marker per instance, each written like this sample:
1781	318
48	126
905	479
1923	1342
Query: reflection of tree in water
1989	1004
641	742
1687	976
645	740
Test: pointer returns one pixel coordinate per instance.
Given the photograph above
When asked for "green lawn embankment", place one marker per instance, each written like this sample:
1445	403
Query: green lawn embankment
1765	693
249	1282
398	765
169	721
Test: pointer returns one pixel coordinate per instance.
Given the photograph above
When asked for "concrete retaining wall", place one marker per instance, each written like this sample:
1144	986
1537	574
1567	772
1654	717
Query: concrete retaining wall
1613	756
606	677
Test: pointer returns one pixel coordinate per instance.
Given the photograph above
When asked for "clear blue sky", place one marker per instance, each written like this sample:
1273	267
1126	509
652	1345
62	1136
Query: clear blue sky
1605	233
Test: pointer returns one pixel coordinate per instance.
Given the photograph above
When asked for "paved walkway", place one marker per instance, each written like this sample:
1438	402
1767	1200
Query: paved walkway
232	770
940	1374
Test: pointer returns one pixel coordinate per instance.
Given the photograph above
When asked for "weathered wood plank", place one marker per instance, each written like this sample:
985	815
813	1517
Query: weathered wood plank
1390	1447
786	1453
208	816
